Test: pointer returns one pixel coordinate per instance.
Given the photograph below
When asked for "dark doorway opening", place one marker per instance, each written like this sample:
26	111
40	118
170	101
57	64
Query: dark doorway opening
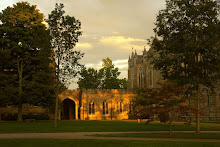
68	110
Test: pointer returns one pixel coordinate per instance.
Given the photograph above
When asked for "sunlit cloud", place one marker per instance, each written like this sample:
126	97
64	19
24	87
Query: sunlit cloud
124	43
83	46
122	65
119	39
95	66
115	33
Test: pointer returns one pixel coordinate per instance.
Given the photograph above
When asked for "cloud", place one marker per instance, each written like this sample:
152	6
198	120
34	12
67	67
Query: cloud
115	33
95	66
84	46
110	27
124	42
122	65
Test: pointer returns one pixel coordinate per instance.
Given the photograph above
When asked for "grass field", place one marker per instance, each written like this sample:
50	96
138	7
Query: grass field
165	135
97	126
100	143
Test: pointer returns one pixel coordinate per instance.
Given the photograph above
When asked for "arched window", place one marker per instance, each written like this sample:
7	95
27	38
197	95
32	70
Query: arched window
119	107
92	108
140	77
105	107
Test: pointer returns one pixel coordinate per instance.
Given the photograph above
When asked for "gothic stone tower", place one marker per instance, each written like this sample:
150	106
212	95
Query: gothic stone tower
140	71
141	74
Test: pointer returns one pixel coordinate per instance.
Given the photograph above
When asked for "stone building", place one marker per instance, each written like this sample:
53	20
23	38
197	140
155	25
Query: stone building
141	73
116	104
210	104
95	104
110	104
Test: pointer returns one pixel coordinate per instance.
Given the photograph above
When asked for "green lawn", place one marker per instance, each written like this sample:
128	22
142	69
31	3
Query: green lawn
165	135
99	143
96	126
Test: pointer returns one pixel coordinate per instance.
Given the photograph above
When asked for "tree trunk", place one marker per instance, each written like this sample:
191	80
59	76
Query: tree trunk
111	111
198	110
56	112
20	92
170	124
0	114
20	112
57	98
197	93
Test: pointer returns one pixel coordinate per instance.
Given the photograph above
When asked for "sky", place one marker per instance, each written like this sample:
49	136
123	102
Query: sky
111	28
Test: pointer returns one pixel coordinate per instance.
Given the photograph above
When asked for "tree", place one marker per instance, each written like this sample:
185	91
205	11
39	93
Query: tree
123	83
65	31
187	45
170	99
165	100
105	78
26	44
90	79
110	76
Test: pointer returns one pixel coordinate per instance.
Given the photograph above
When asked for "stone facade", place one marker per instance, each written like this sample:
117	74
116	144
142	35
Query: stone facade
116	104
210	104
141	73
96	104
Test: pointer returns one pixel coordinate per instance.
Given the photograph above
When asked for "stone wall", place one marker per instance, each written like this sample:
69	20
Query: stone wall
112	99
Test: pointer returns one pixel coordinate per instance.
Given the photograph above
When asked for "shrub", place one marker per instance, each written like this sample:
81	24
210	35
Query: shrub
14	117
10	117
40	116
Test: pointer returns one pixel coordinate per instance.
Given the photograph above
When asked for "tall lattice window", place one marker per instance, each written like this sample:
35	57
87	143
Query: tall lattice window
119	107
140	77
92	108
151	77
105	107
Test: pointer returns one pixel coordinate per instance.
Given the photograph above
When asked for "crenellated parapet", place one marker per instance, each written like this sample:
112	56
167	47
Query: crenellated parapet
94	91
101	93
136	59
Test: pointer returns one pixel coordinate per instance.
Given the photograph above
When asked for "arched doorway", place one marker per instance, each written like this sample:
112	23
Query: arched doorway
69	108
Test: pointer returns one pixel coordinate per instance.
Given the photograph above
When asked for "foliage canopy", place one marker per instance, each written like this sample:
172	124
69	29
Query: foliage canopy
188	44
25	42
105	78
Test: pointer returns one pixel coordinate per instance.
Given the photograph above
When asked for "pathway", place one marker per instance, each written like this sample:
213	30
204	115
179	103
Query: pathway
86	135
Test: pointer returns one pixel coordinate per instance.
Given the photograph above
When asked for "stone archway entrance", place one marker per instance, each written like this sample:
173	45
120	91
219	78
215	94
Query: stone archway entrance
69	109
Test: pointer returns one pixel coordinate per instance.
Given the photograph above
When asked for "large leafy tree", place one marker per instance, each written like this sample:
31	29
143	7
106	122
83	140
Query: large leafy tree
27	78
187	45
90	79
65	31
110	76
165	101
105	78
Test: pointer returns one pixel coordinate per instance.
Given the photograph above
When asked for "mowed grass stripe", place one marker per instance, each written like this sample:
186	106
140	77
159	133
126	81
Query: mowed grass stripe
166	135
97	126
100	143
